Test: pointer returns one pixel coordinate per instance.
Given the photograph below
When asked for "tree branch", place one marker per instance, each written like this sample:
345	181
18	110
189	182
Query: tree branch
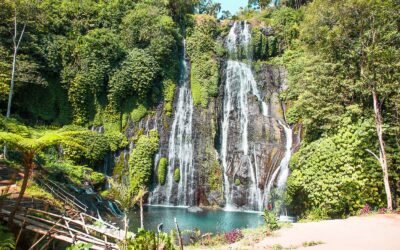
21	35
372	153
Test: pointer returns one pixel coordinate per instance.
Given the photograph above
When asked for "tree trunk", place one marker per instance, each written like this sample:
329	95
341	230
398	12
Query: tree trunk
382	151
141	213
10	94
28	166
14	64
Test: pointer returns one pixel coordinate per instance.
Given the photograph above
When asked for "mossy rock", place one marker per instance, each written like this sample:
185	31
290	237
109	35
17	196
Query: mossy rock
162	170
177	175
237	182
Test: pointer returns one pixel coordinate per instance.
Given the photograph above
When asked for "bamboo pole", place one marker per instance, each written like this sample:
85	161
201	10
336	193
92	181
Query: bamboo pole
179	234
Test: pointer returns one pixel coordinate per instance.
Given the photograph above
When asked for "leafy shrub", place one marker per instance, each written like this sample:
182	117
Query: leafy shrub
134	78
336	173
317	214
233	236
141	159
147	240
177	175
80	246
162	170
138	113
271	220
7	241
76	174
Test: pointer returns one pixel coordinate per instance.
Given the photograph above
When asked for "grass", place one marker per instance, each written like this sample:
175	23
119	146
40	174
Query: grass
311	243
34	190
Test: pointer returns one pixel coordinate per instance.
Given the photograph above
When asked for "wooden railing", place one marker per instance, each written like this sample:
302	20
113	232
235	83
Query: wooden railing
62	194
86	229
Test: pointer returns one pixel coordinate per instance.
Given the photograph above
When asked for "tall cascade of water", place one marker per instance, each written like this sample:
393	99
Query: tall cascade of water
241	85
180	149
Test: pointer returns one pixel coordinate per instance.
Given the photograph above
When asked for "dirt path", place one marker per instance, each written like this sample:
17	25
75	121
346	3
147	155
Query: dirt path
374	232
377	232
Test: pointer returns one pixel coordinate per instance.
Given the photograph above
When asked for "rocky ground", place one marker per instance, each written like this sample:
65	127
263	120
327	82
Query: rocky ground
365	232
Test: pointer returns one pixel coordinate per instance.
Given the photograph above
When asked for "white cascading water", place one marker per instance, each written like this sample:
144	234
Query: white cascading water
240	83
283	169
180	149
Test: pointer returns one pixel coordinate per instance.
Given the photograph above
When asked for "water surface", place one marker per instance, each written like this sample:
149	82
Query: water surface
212	221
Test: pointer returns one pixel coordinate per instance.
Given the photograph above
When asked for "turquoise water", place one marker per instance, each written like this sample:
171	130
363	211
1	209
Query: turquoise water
211	221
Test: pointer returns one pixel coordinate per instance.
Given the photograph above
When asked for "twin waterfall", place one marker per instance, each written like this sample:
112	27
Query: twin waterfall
247	185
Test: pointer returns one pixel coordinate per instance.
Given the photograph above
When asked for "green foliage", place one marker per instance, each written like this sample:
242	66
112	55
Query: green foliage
316	214
271	220
31	141
215	179
96	145
143	27
169	88
7	241
138	113
162	170
201	47
86	75
76	62
141	159
76	174
177	175
134	78
147	240
335	174
80	246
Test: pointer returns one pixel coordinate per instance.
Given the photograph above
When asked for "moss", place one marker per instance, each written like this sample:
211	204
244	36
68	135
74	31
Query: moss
197	93
141	160
138	113
119	165
162	170
169	88
237	182
215	179
203	50
177	175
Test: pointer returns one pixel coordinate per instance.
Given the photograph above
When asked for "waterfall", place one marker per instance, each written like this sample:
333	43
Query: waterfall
274	3
240	85
180	149
283	169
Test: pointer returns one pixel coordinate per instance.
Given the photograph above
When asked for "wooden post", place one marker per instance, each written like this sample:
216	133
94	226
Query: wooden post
48	233
179	235
84	224
22	228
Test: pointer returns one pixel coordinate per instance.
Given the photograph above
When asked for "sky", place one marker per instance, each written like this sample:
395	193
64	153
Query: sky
232	5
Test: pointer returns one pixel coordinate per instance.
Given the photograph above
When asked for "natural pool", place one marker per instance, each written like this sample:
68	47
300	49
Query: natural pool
207	220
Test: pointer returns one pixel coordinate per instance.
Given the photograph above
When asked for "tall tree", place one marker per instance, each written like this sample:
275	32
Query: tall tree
17	38
363	36
29	142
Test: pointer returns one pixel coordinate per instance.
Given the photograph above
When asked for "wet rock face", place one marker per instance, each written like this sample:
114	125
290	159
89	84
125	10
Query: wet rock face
208	171
265	144
266	140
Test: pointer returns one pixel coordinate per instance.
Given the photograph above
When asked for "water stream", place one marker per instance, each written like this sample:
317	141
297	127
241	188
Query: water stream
239	86
180	149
